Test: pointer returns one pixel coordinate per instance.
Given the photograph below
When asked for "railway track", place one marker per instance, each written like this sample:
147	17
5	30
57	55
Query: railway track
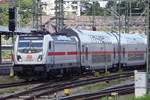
15	84
119	90
52	87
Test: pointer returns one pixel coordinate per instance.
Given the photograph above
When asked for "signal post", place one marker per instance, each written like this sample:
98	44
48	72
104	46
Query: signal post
11	27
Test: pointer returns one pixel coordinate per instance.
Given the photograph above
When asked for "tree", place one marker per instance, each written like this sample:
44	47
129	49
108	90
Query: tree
93	9
24	11
137	7
110	4
4	15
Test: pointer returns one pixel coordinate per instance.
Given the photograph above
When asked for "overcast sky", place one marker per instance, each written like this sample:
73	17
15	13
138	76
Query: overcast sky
103	3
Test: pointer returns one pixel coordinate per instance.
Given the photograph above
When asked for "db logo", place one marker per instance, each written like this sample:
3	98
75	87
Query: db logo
29	56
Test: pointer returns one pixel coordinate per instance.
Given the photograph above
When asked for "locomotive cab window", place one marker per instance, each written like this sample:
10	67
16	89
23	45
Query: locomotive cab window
23	44
36	44
30	46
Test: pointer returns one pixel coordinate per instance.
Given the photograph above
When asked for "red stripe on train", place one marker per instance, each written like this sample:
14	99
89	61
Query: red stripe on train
72	53
139	52
101	52
94	52
56	53
77	53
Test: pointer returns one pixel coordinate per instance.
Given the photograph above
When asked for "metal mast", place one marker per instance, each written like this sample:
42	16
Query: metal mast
113	13
148	45
119	33
127	17
59	12
37	12
93	14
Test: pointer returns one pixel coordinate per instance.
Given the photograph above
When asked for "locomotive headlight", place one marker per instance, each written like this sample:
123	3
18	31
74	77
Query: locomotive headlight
19	58
40	58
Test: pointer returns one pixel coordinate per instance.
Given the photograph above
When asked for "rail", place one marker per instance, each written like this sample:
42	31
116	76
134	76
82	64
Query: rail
120	90
58	86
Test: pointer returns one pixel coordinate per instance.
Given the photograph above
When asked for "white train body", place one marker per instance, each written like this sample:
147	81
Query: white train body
29	50
39	54
133	50
97	49
75	50
62	53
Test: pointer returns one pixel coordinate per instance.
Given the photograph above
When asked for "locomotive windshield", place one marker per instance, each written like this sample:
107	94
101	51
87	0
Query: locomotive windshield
23	44
30	45
38	44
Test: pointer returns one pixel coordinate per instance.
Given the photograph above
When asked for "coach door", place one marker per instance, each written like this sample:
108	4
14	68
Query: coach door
123	54
85	54
50	52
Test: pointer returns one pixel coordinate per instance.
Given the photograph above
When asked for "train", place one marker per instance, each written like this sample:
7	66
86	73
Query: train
73	51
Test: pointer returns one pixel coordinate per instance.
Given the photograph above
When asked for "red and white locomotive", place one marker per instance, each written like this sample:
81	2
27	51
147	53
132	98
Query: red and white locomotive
74	50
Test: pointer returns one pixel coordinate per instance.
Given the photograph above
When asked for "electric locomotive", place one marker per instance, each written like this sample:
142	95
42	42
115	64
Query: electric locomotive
75	51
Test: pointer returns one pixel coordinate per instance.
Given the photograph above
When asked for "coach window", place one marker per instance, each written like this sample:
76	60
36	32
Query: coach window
86	50
83	52
114	53
49	45
123	52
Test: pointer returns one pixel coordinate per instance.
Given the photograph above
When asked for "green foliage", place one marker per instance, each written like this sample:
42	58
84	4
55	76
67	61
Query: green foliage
143	98
6	54
24	11
147	97
123	8
94	9
4	15
24	4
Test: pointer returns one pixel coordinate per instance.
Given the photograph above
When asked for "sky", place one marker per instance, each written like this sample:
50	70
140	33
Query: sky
103	3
